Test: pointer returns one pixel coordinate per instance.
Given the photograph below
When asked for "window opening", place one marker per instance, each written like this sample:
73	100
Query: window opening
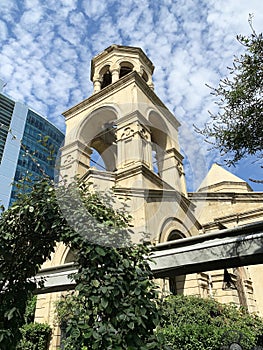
155	162
124	71
145	76
174	235
96	160
106	79
176	283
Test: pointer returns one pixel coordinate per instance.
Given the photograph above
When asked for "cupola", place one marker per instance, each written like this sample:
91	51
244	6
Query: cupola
117	61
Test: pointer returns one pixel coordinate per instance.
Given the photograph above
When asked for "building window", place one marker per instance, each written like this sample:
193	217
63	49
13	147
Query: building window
126	68
106	79
145	76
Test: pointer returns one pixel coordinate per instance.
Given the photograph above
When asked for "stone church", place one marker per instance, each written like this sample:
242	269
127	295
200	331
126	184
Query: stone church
124	139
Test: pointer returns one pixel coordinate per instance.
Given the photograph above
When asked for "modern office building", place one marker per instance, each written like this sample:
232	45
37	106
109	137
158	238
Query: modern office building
22	147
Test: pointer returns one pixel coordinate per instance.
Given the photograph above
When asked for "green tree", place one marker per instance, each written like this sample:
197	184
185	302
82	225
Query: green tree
190	322
113	281
115	305
237	128
28	232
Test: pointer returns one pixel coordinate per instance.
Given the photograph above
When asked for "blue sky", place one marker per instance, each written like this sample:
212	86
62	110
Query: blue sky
47	45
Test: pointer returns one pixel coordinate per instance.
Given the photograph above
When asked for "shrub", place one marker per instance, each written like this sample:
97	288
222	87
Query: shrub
35	336
190	322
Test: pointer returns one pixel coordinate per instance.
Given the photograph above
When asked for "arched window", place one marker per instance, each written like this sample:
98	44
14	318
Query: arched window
158	139
159	136
145	76
126	68
155	160
96	160
176	283
71	257
106	77
174	235
104	148
98	133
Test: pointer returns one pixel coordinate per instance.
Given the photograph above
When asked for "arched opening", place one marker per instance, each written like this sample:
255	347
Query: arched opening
99	134
106	77
104	148
126	68
155	160
176	283
145	76
174	235
71	257
96	160
159	136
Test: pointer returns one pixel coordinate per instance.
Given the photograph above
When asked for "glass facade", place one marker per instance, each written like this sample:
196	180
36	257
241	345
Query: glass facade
30	149
6	111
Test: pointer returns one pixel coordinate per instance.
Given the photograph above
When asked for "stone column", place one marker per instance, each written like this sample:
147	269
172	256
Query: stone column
115	74
75	159
172	170
134	145
150	83
96	84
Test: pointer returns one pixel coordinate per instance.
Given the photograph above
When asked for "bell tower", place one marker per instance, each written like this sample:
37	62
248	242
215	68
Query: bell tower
124	137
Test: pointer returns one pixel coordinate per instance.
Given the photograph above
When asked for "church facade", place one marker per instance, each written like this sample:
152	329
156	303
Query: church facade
125	140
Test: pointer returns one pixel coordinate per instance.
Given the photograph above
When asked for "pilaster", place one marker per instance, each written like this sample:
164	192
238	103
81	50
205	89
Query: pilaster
75	159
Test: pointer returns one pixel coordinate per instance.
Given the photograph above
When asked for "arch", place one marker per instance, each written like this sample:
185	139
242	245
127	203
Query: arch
174	235
98	132
172	229
96	160
145	76
70	257
125	68
159	138
106	76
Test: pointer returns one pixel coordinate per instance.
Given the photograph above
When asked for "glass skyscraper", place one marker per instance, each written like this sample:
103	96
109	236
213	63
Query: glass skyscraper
29	144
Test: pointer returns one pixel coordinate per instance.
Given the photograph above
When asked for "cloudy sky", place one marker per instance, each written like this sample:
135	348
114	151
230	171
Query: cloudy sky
47	45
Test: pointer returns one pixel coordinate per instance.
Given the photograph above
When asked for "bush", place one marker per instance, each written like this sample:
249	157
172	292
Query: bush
193	323
35	336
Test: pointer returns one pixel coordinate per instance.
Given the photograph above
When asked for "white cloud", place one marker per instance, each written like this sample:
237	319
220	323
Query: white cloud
3	30
47	48
93	8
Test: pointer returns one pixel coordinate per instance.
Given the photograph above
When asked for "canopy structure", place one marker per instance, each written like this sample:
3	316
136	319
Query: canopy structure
226	248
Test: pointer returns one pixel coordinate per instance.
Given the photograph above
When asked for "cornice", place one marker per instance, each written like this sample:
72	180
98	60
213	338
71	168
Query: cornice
255	215
111	89
217	196
121	48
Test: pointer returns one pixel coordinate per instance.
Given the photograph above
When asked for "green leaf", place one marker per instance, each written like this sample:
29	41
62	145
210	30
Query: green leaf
95	283
10	313
100	251
104	303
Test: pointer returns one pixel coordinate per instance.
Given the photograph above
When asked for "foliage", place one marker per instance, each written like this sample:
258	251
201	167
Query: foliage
114	306
237	127
113	281
190	322
35	336
28	232
30	309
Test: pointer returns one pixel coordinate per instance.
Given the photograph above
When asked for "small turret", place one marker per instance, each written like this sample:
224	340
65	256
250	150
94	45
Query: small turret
117	61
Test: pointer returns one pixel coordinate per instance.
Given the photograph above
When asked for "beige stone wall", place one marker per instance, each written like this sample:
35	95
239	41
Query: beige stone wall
256	279
45	313
216	210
